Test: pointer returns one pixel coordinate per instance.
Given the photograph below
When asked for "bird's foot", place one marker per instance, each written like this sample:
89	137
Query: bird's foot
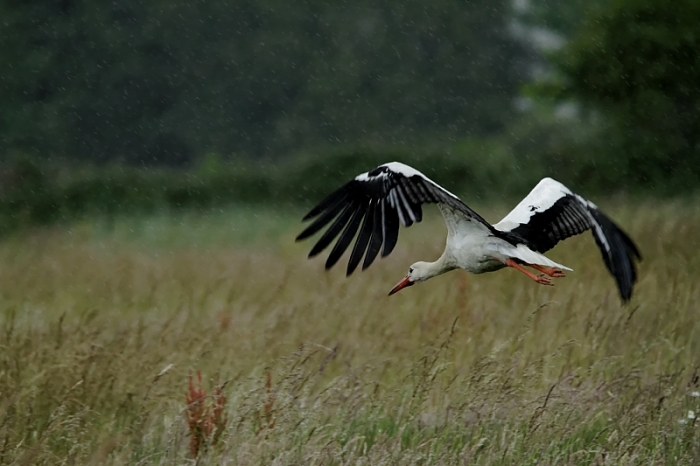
551	271
543	280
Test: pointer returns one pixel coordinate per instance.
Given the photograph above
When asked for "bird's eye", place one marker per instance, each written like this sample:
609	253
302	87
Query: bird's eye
410	270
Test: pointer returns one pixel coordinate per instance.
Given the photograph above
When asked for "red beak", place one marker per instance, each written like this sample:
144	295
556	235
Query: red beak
401	285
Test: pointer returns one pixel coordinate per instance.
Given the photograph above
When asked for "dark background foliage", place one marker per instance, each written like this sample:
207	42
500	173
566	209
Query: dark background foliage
143	104
162	82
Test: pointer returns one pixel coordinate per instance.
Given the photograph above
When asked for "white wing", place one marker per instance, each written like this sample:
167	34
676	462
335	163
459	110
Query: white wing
552	212
541	198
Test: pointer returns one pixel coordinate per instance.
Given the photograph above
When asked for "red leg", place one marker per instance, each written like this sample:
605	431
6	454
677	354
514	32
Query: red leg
551	271
541	279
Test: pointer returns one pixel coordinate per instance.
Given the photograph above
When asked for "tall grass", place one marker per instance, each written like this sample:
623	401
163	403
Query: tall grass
101	327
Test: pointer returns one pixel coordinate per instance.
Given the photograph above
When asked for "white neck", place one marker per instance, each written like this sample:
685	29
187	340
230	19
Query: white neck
440	266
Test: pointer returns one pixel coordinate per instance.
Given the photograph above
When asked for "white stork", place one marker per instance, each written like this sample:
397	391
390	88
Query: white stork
394	192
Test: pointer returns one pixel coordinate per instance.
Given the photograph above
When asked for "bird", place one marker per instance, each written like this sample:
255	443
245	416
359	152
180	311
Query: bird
377	202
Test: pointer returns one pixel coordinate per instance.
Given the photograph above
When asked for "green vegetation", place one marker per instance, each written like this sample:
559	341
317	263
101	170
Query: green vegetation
633	67
102	327
172	82
148	107
43	194
167	81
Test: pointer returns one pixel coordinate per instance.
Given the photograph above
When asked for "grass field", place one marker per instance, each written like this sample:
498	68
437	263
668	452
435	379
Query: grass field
102	323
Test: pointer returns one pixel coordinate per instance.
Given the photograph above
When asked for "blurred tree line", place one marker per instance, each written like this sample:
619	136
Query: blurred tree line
269	100
636	66
166	81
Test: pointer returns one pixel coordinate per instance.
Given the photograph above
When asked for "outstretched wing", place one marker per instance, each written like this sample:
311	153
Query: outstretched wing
551	213
375	203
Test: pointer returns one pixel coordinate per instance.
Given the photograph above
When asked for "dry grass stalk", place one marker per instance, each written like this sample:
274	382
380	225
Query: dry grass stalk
206	421
266	419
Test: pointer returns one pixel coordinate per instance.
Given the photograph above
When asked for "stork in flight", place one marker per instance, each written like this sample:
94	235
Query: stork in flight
377	201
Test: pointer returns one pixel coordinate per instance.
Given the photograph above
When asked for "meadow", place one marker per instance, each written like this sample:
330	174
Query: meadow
105	324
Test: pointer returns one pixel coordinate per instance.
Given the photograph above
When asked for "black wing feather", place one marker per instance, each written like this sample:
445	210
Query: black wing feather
391	229
333	210
425	193
619	259
346	237
375	244
545	229
385	197
571	215
401	206
335	198
334	229
413	199
362	241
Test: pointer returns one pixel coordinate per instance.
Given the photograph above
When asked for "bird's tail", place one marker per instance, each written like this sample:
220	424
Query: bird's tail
529	256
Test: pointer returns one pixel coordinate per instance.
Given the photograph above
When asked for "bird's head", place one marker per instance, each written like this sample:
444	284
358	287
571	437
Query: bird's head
418	272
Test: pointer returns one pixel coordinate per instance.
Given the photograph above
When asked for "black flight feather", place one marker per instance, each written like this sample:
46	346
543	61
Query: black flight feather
375	244
347	236
362	240
391	230
336	197
332	211
619	258
334	229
